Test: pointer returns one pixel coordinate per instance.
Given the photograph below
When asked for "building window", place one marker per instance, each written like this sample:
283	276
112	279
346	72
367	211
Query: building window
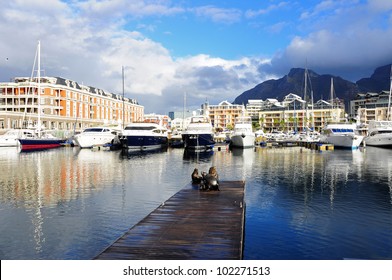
68	108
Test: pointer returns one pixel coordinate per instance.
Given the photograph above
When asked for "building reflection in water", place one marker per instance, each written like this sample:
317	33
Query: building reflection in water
307	171
39	180
47	178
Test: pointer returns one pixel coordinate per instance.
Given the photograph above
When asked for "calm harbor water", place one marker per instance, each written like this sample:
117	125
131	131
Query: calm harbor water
70	203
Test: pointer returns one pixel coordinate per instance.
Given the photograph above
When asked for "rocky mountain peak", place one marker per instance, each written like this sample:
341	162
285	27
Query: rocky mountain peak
293	82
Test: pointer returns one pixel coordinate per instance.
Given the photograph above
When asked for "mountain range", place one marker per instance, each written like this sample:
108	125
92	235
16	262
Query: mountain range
294	82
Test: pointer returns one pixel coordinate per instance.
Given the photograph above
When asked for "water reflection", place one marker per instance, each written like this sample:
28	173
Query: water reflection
197	157
244	160
72	203
140	153
390	185
378	165
305	171
50	177
316	198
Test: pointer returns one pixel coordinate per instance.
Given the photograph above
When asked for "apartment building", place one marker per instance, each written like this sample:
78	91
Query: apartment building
223	115
253	107
163	120
294	114
65	105
370	106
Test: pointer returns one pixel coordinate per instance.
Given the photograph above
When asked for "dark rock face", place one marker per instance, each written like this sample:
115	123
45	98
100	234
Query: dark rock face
294	82
380	80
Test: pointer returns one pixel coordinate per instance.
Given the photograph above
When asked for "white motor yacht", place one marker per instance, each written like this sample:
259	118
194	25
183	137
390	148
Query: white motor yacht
144	136
341	135
379	134
243	135
10	138
96	136
199	134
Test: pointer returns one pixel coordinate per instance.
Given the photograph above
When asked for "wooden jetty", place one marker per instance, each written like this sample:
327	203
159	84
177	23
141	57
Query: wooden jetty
191	225
318	146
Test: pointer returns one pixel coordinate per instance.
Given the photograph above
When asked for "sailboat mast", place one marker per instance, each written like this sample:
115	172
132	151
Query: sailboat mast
390	93
331	93
312	102
123	93
311	98
39	87
332	90
305	98
183	112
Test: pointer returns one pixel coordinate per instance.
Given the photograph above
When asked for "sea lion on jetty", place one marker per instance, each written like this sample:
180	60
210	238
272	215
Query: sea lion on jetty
196	178
210	180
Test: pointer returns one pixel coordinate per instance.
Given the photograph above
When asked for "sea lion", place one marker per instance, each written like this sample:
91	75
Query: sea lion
196	178
212	179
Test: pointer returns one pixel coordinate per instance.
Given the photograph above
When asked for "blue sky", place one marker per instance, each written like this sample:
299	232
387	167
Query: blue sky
226	29
210	50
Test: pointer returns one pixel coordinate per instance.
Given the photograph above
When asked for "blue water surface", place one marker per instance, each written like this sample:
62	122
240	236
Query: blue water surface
302	204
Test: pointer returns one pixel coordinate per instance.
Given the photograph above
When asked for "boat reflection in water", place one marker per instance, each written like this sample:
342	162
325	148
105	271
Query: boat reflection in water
243	159
204	156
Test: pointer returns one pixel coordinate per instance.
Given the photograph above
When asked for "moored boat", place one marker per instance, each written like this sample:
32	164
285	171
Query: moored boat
43	140
40	143
10	138
96	136
243	136
379	134
199	134
143	136
341	135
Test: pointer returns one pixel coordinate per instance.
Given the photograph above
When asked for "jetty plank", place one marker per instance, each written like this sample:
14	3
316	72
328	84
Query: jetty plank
192	224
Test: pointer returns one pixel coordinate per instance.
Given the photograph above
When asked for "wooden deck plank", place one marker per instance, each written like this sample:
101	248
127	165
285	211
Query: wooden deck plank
192	224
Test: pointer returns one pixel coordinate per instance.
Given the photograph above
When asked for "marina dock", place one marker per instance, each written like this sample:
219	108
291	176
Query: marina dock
190	225
317	146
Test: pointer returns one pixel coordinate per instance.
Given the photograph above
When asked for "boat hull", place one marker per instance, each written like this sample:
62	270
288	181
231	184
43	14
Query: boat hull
40	144
198	142
344	141
11	137
89	141
379	140
144	143
342	135
9	142
243	141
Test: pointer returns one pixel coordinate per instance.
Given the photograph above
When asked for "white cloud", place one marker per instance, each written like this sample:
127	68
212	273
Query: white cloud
277	27
92	52
81	42
380	5
352	42
270	8
218	14
325	5
134	8
148	65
